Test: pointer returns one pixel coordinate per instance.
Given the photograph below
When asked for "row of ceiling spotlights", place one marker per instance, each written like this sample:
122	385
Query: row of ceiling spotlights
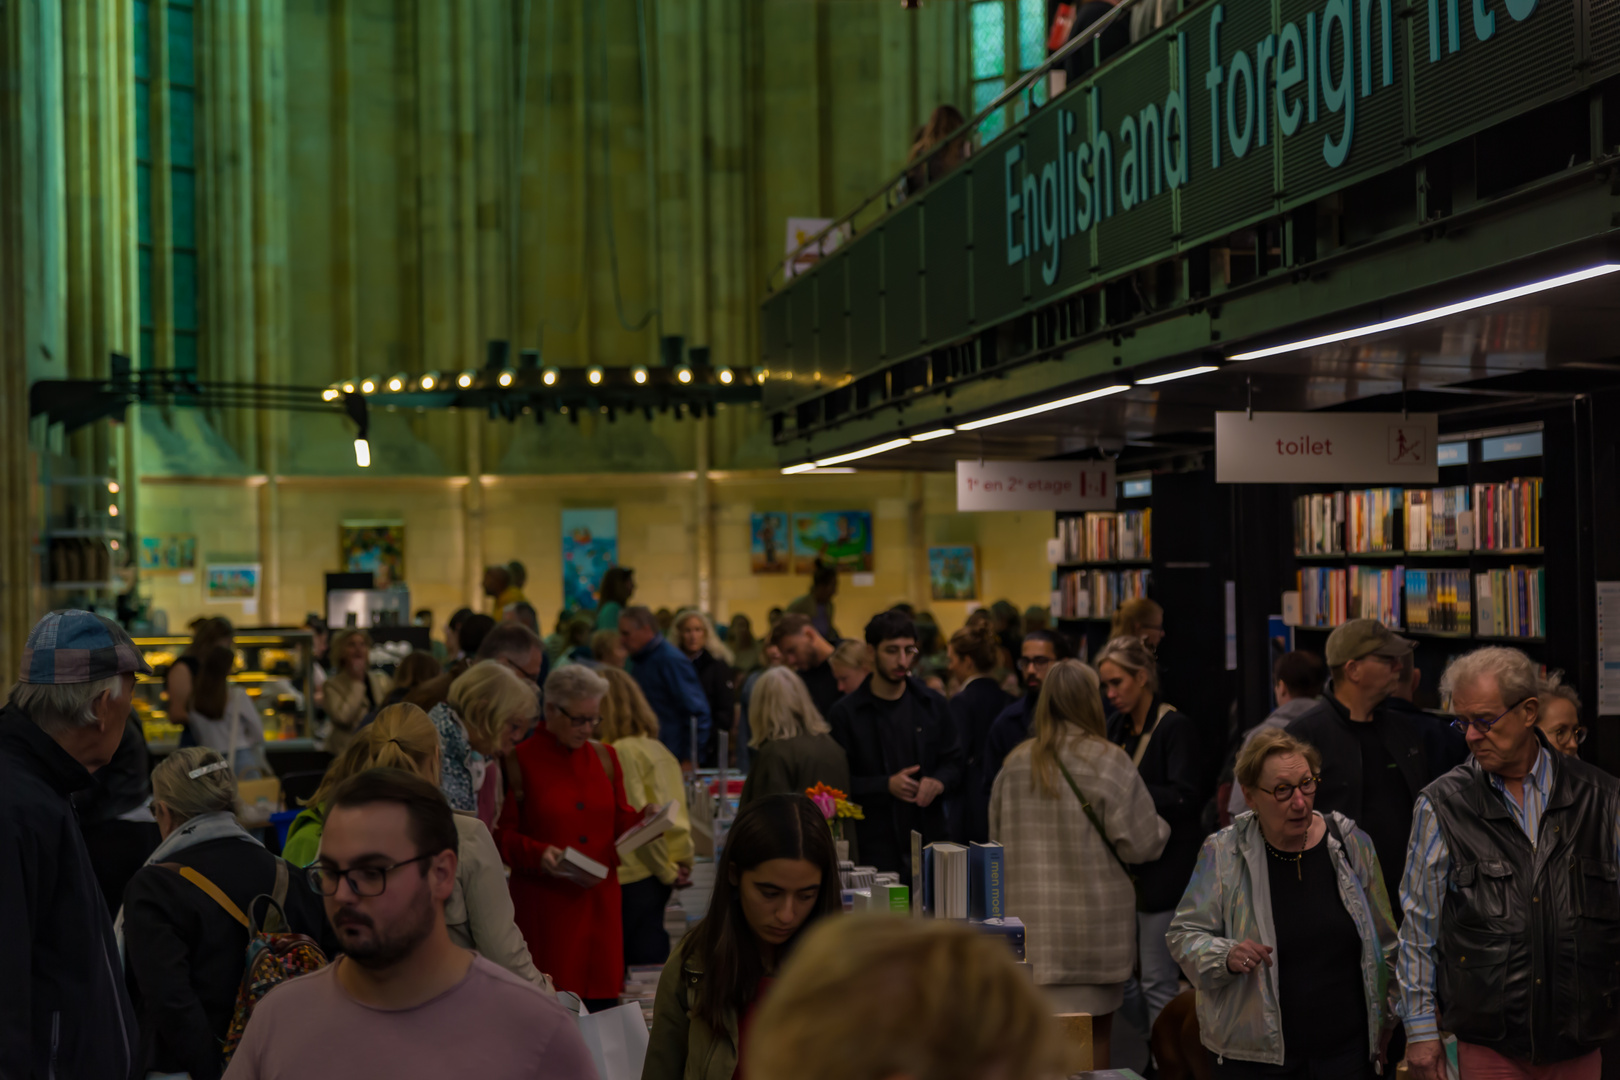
433	380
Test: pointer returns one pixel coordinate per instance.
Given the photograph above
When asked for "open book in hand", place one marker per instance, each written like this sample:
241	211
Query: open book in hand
655	821
582	870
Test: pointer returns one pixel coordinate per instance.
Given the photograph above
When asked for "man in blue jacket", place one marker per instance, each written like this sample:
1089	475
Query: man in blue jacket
63	1007
670	682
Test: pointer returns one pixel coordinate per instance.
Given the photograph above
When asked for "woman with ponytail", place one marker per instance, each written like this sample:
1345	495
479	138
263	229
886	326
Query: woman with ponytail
479	912
183	950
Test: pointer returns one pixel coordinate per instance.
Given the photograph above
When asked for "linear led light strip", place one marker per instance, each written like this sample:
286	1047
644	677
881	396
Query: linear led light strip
826	464
1435	313
1035	410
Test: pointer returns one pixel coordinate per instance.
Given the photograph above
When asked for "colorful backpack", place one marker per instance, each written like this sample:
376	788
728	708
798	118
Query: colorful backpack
274	955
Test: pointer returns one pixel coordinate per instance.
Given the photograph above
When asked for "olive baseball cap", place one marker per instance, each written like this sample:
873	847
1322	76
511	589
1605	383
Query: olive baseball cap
1360	638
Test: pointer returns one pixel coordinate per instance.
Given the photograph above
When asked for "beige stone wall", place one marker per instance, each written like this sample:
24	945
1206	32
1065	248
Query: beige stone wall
656	522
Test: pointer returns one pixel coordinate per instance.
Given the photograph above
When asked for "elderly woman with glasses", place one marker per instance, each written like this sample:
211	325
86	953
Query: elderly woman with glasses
1286	931
565	799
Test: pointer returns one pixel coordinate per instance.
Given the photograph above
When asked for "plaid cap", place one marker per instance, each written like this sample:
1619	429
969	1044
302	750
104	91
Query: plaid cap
78	647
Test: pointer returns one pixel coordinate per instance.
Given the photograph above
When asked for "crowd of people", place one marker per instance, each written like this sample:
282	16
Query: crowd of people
1362	876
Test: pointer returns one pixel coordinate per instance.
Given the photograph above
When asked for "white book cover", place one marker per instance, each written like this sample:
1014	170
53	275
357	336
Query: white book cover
581	868
656	821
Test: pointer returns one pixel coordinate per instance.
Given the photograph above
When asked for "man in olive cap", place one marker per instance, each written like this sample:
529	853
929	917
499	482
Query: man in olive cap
1374	760
63	1007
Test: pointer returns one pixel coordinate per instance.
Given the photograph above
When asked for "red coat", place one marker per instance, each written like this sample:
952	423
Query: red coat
574	934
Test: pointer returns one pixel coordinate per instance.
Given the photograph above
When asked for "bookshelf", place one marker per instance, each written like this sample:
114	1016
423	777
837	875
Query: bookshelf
1105	559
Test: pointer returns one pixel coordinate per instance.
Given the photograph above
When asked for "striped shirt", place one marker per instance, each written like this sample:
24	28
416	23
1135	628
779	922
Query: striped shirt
1428	877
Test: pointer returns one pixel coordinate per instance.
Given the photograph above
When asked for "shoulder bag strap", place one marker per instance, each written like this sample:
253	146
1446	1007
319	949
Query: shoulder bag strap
1091	815
1147	736
604	758
214	892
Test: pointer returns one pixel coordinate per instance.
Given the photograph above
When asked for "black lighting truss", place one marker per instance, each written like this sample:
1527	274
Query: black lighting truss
503	392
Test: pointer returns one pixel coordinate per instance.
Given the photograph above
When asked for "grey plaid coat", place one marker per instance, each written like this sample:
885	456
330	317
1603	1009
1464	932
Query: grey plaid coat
1078	905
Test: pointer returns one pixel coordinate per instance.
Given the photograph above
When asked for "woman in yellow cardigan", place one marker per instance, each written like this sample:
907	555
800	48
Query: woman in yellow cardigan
652	777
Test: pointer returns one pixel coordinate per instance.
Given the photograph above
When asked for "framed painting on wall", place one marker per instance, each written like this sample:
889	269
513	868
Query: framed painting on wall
768	544
233	582
375	546
953	572
172	552
841	538
590	544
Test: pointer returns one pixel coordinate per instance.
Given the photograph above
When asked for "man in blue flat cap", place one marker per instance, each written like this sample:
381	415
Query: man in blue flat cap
63	1007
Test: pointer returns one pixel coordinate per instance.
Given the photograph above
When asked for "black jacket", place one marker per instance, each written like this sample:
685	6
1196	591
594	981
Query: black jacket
974	710
186	954
1445	746
885	834
1008	730
715	677
63	1009
1528	949
1327	727
1170	768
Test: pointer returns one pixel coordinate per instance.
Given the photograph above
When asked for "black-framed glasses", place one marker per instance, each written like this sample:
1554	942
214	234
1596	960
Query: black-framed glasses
1463	723
1284	792
1025	662
578	721
363	880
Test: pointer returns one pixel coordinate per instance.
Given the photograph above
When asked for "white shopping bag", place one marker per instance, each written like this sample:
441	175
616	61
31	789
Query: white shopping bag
617	1040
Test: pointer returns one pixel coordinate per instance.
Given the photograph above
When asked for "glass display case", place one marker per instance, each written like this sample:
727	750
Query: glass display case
273	666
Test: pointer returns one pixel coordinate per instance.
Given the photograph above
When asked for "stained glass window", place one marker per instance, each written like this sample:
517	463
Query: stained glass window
1008	38
1031	33
989	38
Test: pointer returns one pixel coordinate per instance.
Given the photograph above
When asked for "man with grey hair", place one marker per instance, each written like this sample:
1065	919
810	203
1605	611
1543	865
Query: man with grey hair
63	1007
670	683
1511	939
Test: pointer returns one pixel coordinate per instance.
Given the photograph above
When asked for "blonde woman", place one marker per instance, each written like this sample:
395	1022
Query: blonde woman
694	634
793	746
479	911
184	951
1139	618
851	664
1070	808
652	777
353	691
871	999
488	710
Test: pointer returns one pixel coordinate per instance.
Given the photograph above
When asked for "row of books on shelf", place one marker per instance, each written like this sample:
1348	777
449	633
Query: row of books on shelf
1106	536
1493	603
1502	516
1097	594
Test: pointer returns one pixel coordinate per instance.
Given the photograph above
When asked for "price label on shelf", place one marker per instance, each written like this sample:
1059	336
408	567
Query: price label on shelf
1035	485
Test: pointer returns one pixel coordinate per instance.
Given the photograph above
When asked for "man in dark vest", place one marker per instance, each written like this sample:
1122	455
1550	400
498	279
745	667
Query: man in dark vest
1512	934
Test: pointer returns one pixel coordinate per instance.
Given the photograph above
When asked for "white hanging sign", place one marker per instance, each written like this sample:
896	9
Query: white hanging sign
1326	448
1035	485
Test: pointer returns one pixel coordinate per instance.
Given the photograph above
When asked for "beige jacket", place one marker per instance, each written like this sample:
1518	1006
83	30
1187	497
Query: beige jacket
1077	903
479	911
344	700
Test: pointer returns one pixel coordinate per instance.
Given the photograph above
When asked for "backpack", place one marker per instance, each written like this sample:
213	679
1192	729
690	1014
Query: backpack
274	954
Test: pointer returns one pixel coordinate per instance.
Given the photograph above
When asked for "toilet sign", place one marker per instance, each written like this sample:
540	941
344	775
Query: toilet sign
1326	448
1035	485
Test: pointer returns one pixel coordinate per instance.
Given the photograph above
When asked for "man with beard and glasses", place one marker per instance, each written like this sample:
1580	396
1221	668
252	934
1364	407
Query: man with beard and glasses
1041	649
904	760
402	1000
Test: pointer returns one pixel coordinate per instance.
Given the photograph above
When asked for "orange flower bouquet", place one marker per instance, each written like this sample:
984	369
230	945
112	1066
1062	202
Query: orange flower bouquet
835	807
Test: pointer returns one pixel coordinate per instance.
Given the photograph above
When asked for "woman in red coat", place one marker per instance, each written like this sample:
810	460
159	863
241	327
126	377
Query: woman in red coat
564	790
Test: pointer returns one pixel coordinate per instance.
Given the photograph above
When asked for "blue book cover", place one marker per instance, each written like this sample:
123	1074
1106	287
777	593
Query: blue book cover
986	884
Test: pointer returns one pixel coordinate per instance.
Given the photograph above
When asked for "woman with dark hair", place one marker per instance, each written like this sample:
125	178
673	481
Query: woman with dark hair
778	874
182	676
618	586
413	671
223	717
978	701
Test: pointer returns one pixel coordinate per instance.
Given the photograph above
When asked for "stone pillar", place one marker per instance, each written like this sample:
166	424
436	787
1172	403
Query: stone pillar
472	508
703	519
268	113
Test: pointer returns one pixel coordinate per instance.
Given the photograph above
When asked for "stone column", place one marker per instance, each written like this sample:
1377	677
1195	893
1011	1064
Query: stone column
703	519
267	80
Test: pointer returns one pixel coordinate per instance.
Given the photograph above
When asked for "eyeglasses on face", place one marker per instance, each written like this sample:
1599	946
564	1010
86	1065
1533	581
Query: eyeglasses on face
1025	662
578	721
1284	792
363	880
1463	723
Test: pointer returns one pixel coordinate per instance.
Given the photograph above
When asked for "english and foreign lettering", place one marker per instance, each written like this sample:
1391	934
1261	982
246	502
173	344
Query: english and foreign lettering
1277	87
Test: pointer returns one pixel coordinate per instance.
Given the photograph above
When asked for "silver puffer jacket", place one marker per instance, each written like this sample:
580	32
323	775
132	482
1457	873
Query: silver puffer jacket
1229	901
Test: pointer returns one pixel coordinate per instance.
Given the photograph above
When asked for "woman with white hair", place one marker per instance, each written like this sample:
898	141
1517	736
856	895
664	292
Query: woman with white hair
695	634
565	800
793	745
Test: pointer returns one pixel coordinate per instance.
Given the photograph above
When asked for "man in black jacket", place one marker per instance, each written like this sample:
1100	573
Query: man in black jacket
1041	649
901	744
63	1008
1374	760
